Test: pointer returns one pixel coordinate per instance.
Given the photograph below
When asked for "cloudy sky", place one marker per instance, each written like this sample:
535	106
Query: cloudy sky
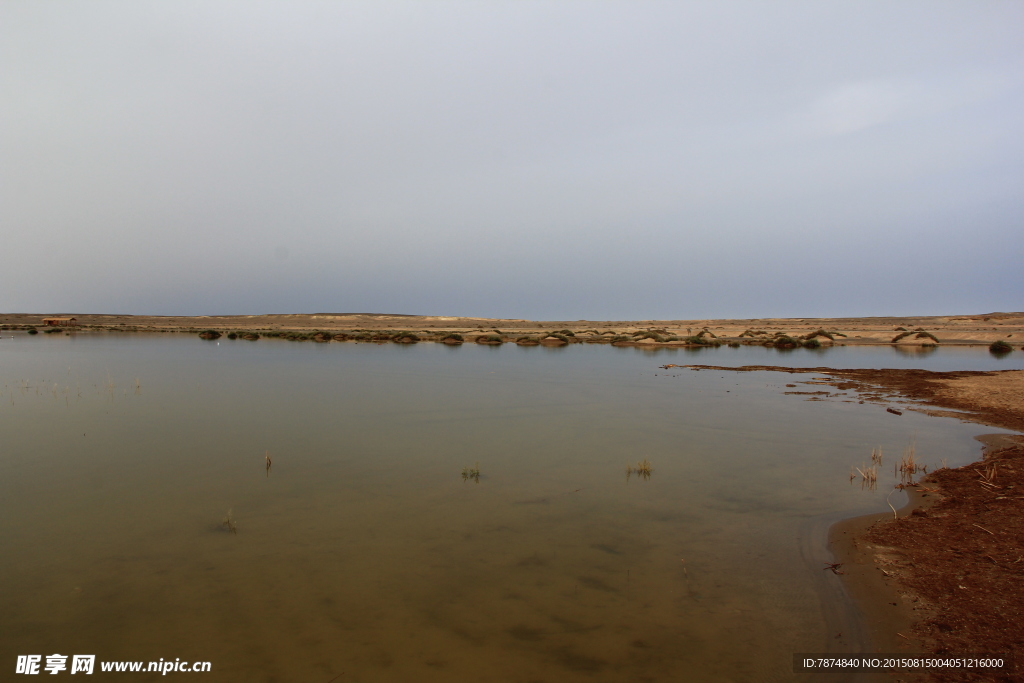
546	160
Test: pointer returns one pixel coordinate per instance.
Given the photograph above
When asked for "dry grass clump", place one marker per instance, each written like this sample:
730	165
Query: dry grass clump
471	473
229	523
909	466
868	475
643	469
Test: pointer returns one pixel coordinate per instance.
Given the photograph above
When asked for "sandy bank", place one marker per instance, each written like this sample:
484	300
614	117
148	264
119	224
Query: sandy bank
909	330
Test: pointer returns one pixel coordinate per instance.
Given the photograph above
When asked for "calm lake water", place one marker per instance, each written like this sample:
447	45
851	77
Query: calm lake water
363	555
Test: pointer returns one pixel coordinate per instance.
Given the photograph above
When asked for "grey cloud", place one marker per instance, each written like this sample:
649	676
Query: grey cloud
532	159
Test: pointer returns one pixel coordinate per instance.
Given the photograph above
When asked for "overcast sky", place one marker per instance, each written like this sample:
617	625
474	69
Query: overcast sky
545	160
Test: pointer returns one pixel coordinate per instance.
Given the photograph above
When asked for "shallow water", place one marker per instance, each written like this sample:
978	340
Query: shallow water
363	555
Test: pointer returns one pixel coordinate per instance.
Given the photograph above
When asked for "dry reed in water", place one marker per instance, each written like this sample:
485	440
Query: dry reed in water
909	466
642	469
471	473
229	523
868	476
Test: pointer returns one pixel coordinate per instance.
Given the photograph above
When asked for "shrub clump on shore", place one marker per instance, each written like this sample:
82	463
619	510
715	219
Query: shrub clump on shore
784	341
555	339
700	340
820	332
452	338
1000	347
209	334
919	333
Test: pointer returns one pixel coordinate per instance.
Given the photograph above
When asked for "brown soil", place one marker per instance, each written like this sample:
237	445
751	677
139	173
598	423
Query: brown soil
964	557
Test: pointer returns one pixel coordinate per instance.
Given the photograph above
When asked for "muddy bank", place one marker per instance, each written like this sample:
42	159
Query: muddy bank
947	578
945	575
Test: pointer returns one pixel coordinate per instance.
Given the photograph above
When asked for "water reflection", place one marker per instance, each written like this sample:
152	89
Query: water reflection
915	350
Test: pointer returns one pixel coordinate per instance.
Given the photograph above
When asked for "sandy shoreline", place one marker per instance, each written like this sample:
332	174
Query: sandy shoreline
980	329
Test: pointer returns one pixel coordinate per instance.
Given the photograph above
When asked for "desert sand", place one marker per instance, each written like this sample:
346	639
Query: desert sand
977	329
